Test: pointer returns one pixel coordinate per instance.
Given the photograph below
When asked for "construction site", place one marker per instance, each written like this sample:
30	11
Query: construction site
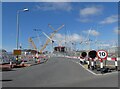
46	53
33	55
21	57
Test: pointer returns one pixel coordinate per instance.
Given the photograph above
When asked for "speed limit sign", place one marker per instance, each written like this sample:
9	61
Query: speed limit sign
102	54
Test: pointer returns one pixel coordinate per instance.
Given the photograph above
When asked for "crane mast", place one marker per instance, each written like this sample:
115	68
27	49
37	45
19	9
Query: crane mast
51	36
33	44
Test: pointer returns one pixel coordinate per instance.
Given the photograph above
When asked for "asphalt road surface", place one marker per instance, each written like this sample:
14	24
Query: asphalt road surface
57	72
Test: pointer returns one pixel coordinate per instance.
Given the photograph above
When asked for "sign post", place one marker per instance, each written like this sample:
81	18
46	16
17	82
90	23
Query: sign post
83	55
17	53
116	63
101	63
92	54
102	55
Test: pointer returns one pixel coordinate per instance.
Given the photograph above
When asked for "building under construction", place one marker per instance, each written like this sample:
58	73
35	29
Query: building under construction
59	49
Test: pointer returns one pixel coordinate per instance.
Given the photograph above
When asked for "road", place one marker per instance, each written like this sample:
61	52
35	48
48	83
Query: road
57	72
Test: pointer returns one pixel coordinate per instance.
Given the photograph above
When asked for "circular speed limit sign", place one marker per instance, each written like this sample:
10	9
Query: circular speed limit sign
102	54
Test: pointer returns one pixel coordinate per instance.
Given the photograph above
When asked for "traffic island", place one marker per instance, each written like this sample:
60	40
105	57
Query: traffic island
8	67
97	62
106	69
21	65
5	67
32	63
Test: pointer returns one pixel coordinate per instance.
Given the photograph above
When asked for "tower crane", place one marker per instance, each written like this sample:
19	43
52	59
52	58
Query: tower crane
51	36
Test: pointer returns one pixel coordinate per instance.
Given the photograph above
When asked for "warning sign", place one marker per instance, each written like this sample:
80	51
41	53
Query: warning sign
17	52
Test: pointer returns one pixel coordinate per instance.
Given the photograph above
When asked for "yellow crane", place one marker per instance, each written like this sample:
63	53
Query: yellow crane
33	44
51	36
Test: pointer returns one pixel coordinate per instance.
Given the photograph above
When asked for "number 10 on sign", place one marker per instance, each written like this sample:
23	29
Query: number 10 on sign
102	54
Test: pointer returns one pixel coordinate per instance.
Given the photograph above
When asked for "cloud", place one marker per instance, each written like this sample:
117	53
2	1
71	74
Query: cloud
69	38
84	20
110	19
116	30
73	37
87	14
92	32
52	6
76	38
92	10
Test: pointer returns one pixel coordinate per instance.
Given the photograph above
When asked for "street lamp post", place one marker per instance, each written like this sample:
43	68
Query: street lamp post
24	10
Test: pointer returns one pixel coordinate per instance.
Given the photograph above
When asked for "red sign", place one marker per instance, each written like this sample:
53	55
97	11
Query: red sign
102	54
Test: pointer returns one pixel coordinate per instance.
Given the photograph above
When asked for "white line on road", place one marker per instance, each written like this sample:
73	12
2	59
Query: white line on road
93	72
85	68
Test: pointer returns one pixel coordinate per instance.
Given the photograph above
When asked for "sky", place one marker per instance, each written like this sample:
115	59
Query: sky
82	20
60	1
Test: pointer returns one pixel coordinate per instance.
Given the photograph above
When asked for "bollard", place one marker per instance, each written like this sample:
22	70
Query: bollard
81	62
101	64
116	64
92	54
95	63
10	64
83	56
23	63
88	63
92	64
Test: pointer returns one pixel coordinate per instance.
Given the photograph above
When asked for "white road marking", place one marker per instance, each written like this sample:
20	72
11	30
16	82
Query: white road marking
85	68
93	72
